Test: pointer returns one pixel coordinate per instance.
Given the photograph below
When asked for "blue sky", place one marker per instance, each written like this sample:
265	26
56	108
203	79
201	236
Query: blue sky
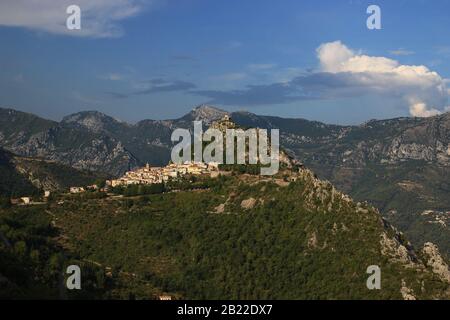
159	58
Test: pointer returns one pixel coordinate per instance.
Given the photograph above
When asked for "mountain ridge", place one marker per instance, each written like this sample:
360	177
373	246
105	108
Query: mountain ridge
400	165
296	134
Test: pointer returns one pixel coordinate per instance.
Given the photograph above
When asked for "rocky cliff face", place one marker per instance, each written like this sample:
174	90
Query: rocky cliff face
435	261
375	142
429	141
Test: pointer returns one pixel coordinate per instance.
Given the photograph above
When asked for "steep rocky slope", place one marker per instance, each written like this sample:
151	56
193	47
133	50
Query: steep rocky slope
402	166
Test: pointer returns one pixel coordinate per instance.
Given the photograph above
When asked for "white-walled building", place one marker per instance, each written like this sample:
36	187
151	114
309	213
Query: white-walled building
77	189
26	200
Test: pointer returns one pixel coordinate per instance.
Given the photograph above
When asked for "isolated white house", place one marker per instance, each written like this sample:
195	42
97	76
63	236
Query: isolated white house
26	200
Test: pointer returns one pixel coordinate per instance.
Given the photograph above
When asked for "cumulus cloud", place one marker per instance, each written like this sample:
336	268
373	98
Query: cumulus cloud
424	91
99	18
344	73
420	110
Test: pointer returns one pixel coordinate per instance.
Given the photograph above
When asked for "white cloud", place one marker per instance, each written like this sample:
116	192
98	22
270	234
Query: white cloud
342	73
332	55
99	18
420	110
424	91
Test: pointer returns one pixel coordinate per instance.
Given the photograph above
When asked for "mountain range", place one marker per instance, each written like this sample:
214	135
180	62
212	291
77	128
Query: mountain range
400	166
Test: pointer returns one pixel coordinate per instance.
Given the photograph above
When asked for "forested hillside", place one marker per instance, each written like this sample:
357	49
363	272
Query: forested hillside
240	236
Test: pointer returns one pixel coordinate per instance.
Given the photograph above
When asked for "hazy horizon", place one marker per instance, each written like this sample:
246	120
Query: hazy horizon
192	108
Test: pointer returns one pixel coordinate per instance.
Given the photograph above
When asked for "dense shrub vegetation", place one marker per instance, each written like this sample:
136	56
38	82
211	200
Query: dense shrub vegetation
32	264
178	243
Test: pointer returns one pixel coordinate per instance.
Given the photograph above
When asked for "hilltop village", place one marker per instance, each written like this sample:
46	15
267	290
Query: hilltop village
150	175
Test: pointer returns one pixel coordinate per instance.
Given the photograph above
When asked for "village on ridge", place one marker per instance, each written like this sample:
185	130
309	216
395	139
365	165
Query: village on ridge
151	175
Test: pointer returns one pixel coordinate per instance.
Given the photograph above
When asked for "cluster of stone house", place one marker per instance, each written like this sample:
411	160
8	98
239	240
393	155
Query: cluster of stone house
150	175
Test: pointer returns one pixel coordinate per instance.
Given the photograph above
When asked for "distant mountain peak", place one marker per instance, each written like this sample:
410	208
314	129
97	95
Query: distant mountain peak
207	107
92	120
206	113
85	114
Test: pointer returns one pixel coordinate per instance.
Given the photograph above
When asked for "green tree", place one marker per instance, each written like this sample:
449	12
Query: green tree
5	202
